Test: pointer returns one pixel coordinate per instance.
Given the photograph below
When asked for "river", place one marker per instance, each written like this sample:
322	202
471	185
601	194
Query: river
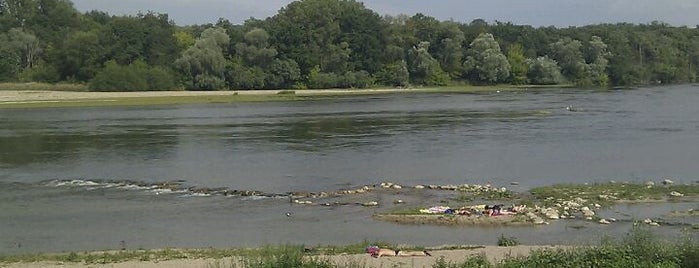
539	137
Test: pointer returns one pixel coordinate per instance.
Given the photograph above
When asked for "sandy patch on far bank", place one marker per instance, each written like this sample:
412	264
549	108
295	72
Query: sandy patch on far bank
29	96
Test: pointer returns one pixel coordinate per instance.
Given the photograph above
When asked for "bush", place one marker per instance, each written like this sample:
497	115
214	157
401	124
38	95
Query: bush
507	241
284	257
137	76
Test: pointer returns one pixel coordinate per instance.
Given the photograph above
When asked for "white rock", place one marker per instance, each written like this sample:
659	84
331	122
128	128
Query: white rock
503	189
398	201
588	218
396	186
603	221
650	183
371	204
668	182
597	206
676	194
419	187
612	219
654	224
647	221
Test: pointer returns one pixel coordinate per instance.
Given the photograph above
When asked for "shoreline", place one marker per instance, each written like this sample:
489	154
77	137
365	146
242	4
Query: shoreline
180	258
50	99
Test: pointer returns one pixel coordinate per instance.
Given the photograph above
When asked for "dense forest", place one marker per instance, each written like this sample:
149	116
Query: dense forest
329	44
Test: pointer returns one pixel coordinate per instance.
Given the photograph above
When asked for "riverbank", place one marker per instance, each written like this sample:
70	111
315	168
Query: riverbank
30	98
204	258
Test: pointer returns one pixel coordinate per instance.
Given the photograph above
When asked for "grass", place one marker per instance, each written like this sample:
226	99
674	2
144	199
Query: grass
507	241
43	86
639	248
610	193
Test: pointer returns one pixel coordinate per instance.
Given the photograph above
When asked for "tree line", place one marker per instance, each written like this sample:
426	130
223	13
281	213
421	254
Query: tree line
329	44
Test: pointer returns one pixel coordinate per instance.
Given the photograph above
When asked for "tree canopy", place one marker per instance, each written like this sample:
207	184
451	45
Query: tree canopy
329	44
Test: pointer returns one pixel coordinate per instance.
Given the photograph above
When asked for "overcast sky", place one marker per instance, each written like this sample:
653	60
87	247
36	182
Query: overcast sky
531	12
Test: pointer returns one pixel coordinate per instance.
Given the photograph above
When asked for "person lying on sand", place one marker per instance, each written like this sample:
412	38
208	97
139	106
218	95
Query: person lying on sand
377	252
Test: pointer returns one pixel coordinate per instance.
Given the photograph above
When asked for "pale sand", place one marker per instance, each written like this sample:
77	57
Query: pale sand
33	96
493	253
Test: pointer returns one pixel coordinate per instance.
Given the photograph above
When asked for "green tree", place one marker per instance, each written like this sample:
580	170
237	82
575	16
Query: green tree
394	74
115	77
485	61
518	63
203	65
567	53
544	71
424	69
81	56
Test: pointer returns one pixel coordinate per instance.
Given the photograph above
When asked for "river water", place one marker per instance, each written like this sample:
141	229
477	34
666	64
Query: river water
82	178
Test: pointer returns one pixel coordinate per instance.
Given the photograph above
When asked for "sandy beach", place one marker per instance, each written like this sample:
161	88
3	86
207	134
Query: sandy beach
493	254
39	96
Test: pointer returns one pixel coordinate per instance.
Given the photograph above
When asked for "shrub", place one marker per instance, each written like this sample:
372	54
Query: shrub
507	241
137	76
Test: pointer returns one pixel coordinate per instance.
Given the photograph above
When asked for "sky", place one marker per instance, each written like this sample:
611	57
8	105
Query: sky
560	13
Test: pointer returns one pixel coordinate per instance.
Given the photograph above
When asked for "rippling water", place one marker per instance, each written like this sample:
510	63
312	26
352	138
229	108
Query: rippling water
320	145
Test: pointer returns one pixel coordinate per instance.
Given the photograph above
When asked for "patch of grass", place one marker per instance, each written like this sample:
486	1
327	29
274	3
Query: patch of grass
609	193
639	248
283	257
478	261
44	86
507	241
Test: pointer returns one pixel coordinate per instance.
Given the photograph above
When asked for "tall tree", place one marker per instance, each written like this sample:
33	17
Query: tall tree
203	64
485	61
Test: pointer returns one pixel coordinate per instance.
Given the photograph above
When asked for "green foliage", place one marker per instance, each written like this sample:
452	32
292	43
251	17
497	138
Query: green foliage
133	77
394	74
284	257
478	261
423	68
518	63
507	241
486	62
544	71
203	65
49	40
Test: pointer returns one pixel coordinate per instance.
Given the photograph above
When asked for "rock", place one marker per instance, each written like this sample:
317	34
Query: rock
396	186
612	219
398	201
552	215
587	212
650	183
431	186
597	206
654	224
676	194
647	221
588	218
419	187
603	221
668	182
370	204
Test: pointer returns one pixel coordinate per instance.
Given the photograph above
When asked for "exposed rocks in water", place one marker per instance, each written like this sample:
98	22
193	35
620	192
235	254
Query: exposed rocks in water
668	182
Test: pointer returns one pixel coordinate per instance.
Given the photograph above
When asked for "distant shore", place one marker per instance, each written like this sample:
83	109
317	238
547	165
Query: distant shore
29	98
